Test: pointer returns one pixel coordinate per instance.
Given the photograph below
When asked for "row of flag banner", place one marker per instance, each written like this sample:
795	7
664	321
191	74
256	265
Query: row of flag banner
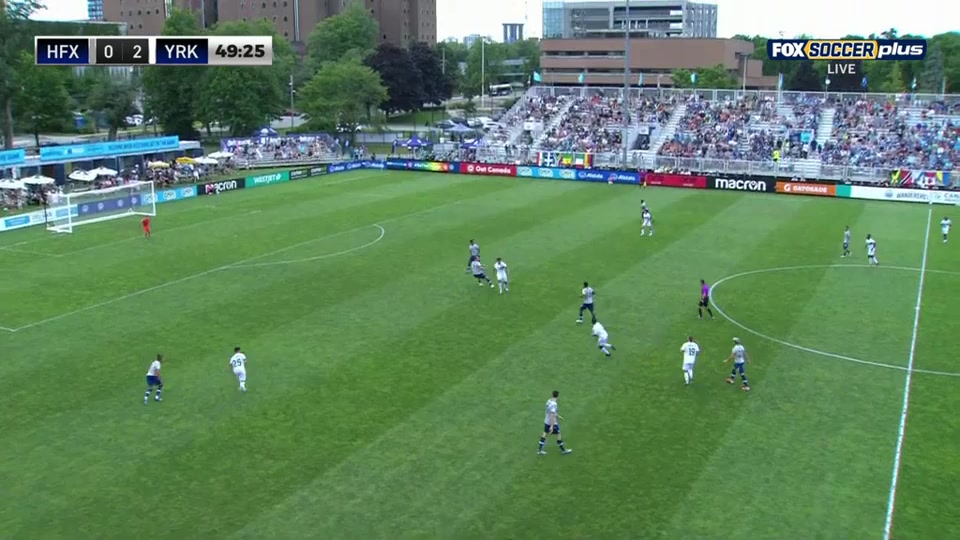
578	160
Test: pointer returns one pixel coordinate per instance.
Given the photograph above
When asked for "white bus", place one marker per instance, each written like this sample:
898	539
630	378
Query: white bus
501	89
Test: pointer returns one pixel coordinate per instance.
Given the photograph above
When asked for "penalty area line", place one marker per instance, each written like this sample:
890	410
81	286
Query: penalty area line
902	426
383	232
226	267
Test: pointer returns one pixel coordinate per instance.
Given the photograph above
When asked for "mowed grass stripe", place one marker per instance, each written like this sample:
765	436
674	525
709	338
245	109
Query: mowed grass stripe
494	419
805	418
212	249
458	276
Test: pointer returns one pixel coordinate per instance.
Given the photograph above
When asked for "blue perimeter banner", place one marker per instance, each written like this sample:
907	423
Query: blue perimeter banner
169	195
10	158
80	152
120	203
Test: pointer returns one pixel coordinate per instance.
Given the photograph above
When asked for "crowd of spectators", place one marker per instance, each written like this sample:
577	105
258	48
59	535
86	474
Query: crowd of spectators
595	124
285	148
883	134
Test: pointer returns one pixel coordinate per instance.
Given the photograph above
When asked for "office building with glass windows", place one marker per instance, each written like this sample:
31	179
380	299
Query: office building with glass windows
95	10
647	18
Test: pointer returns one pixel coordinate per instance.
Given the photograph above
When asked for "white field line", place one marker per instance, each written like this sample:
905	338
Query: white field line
811	350
220	268
26	251
902	427
383	232
210	206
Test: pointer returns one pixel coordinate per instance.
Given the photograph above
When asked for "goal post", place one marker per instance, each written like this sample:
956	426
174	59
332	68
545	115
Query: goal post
99	205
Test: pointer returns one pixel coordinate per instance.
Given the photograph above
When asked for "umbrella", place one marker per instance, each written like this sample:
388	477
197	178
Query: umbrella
414	142
185	160
39	180
12	184
103	171
158	165
266	132
220	155
205	161
82	176
460	128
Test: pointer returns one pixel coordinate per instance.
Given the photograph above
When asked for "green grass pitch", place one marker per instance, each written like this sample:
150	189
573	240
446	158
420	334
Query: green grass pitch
390	397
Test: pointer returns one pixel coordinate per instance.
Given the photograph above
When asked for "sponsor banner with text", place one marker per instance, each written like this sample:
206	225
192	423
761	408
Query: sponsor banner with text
36	218
301	173
549	173
215	188
676	180
742	183
319	170
489	169
267	179
899	194
614	177
807	188
413	165
108	205
170	195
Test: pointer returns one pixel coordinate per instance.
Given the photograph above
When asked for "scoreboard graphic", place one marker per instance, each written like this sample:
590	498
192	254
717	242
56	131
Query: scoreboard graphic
154	51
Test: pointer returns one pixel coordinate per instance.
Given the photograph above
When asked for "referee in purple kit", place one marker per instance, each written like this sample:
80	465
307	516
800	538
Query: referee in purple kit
704	299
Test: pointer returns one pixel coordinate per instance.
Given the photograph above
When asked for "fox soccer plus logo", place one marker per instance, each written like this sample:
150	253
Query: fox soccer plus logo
846	49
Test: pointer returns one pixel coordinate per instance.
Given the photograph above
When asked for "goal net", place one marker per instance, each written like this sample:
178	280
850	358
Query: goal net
98	205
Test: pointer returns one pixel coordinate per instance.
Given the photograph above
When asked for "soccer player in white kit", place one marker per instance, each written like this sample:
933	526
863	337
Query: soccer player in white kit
647	223
502	281
872	251
690	351
945	225
551	426
154	380
238	362
602	336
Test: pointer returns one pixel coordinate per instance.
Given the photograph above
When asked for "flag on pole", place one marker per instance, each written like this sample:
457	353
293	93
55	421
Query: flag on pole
693	78
780	82
537	77
864	82
640	79
827	81
913	84
581	78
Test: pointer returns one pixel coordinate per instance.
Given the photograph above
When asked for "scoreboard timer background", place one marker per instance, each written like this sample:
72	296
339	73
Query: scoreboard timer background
154	51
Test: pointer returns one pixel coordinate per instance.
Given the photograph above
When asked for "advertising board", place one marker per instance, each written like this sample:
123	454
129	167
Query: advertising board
676	180
807	188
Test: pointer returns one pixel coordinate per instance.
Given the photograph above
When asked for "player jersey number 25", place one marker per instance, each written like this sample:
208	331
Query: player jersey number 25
236	362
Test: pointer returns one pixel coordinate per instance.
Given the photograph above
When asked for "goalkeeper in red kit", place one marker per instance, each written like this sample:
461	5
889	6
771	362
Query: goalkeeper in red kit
145	223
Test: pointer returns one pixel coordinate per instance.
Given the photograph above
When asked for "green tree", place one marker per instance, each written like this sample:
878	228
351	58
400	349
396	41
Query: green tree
342	93
931	78
894	83
527	50
351	32
707	77
470	107
400	75
437	86
484	67
112	100
171	92
246	98
43	103
15	37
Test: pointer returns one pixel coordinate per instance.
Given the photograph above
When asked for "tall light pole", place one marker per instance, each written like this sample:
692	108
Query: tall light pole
483	69
292	93
626	83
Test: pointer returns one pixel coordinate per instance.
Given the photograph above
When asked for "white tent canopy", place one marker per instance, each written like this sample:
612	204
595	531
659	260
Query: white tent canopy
39	180
103	171
220	155
12	184
205	161
83	176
